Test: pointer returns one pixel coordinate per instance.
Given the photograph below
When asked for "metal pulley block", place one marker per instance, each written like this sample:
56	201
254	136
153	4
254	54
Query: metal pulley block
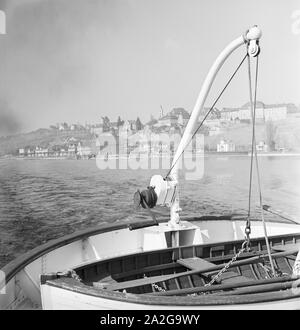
252	36
253	48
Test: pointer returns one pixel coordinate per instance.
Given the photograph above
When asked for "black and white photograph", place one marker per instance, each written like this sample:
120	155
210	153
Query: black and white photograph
149	158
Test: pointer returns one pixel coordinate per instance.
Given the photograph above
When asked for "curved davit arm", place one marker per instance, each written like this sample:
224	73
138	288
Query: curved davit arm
250	38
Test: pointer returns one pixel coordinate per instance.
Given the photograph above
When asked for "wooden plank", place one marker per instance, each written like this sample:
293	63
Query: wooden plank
286	247
233	277
191	282
195	263
202	264
108	279
147	269
177	283
104	282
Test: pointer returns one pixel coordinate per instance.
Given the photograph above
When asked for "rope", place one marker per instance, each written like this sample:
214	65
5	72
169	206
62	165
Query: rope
284	216
253	112
253	145
208	112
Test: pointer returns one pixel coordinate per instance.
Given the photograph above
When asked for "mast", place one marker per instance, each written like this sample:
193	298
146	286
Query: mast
250	38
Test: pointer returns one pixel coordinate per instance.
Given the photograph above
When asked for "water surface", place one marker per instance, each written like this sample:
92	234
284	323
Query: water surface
45	199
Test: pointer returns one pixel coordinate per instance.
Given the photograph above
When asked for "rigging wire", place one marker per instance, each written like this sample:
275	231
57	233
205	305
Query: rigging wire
207	114
254	152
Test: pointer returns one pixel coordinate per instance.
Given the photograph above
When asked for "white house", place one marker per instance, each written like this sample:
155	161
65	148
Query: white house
167	120
72	149
262	146
41	152
224	146
63	152
21	152
83	151
30	153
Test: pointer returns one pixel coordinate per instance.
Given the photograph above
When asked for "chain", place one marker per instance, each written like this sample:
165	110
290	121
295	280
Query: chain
156	286
248	232
216	277
223	270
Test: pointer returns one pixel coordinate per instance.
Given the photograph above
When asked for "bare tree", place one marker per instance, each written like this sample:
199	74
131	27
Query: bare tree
271	131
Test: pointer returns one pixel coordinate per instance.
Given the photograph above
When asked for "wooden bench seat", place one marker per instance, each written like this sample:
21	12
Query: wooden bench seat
286	247
104	282
228	277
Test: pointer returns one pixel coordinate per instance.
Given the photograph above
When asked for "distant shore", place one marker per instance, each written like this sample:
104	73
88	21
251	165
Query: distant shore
145	156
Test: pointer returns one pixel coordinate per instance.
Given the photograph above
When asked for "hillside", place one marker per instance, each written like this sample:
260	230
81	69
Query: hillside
43	137
285	134
279	134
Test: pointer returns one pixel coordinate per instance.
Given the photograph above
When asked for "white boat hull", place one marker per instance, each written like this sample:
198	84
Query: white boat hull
61	299
23	290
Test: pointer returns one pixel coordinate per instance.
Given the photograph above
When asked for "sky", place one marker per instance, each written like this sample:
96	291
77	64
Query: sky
79	60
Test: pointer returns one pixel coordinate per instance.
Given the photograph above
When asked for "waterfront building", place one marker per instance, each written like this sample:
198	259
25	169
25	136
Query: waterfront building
63	152
167	120
154	142
262	146
22	152
264	112
177	116
83	151
225	146
30	152
72	149
41	152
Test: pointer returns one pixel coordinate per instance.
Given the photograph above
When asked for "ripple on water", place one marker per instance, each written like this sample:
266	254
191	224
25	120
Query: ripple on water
42	200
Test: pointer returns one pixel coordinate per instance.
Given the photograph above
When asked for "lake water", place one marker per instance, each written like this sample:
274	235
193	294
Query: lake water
45	199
